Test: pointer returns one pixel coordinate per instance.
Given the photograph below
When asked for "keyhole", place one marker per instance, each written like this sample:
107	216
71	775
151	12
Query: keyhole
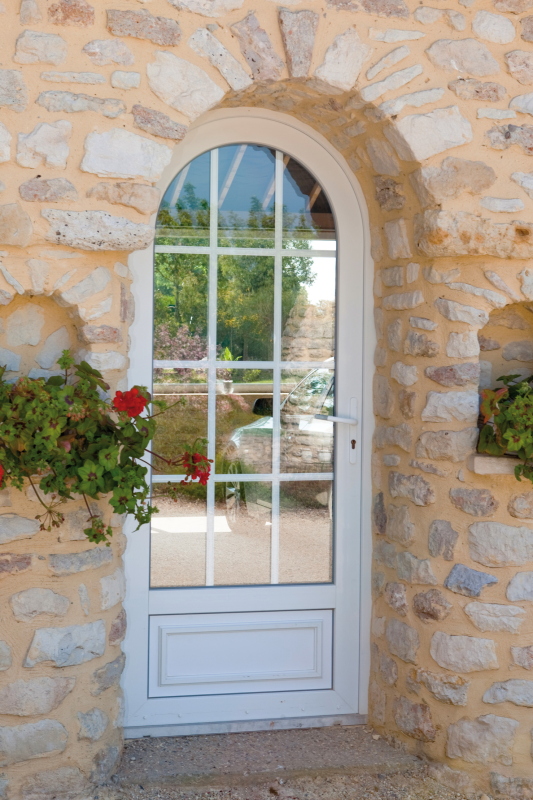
353	444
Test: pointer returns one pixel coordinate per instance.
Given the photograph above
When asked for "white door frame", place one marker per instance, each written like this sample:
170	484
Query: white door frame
347	702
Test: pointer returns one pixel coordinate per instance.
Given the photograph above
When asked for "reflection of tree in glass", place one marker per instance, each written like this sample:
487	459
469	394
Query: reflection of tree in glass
245	283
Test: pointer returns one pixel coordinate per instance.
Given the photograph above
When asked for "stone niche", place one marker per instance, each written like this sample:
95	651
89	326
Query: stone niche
506	344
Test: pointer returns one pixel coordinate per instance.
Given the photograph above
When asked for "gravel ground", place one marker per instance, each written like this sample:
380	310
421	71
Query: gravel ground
338	763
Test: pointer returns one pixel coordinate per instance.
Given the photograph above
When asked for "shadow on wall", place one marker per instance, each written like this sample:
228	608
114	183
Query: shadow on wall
506	344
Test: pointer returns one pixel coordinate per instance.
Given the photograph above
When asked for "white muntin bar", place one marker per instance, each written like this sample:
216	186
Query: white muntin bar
202	365
212	369
247	477
243	251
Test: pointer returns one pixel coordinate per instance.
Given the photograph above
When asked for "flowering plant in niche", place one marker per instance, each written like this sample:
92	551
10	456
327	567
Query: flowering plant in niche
62	437
507	416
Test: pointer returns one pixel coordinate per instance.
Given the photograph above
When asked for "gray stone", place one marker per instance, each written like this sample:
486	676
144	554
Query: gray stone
53	347
117	631
32	740
520	587
403	300
109	51
378	702
415	570
298	31
447	406
383	397
85	601
399	527
93	724
471	89
414	719
182	85
494	617
477	502
485	740
378	583
470	582
511	788
493	27
390	197
96	230
157	123
454	779
392	82
5	143
208	46
525	180
463	653
414	487
46	144
379	514
383	159
393	35
494	113
23	326
518	351
395	596
94	334
388	669
125	80
38	696
143	198
208	8
508	318
13	527
420	345
15	226
112	589
420	136
257	49
72	563
403	641
73	77
5	656
404	374
426	466
31	603
394	436
381	8
66	647
463	55
526	280
52	190
108	675
520	65
495	299
503	136
71	12
521	505
143	25
86	288
29	12
394	335
457	312
33	46
387	61
13	91
514	6
13	563
414	99
398	247
111	360
523	656
385	553
65	783
434	185
445	233
121	154
344	60
105	763
70	103
454	375
502	204
463	345
496	545
451	689
442	539
407	403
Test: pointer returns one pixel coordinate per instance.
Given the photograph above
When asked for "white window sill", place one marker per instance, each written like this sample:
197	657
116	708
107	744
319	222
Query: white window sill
492	465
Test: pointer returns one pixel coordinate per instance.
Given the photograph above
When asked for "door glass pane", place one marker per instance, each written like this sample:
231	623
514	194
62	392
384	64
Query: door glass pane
184	213
186	421
305	531
306	211
244	421
246	196
178	537
306	443
308	311
245	302
243	533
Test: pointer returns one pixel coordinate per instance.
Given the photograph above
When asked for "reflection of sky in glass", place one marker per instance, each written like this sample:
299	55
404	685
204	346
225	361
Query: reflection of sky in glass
323	286
195	173
245	173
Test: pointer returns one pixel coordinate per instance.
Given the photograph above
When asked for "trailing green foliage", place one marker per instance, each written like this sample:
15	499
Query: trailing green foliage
507	414
67	441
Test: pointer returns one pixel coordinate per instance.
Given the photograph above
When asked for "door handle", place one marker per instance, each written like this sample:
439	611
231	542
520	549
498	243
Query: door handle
329	418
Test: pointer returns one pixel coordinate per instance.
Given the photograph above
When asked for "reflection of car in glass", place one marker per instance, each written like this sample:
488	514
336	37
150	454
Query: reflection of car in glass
306	443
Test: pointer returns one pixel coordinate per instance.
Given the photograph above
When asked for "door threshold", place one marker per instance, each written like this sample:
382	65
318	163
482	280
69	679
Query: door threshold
244	726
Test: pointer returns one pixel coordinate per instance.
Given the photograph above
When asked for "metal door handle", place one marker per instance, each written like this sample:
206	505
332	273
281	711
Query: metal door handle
329	418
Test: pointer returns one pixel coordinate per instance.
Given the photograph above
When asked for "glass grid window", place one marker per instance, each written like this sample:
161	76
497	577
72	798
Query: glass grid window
245	281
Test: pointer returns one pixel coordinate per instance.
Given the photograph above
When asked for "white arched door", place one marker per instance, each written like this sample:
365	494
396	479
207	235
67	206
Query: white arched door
245	597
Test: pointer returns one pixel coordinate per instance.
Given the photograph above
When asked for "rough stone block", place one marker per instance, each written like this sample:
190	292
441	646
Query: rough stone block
143	198
93	724
208	46
399	527
13	91
121	154
469	582
454	375
96	230
46	144
71	12
143	25
457	312
108	51
93	284
394	436
484	740
431	606
13	527
65	783
298	30
511	788
395	596
157	123
521	505
463	653
414	719
420	345
70	103
477	502
33	46
447	406
182	85
105	762
13	563
53	346
496	545
494	617
32	740
450	689
493	27
414	487
442	539
108	675
520	587
344	60
523	656
112	589
52	190
6	658
403	641
15	225
464	345
117	631
31	603
447	233
66	647
420	136
415	570
34	697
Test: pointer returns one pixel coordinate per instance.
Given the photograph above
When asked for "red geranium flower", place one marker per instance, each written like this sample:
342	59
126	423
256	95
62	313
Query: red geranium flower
197	467
131	402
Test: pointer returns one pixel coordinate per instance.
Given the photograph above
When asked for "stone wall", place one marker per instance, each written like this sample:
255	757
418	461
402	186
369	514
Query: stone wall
430	107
